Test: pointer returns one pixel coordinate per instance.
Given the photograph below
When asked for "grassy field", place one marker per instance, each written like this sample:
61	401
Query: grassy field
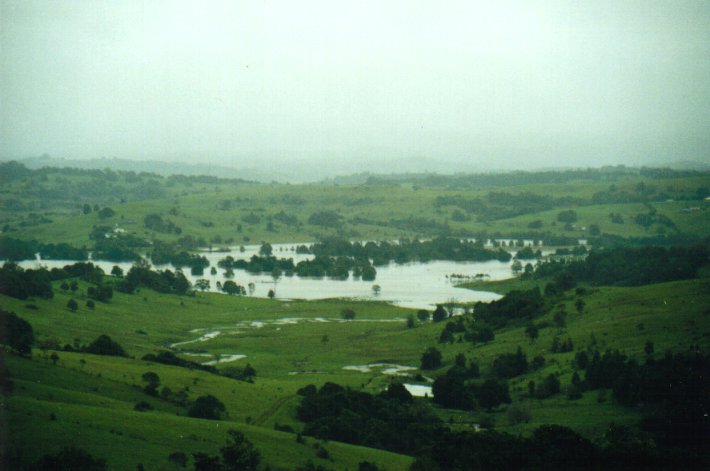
292	344
231	213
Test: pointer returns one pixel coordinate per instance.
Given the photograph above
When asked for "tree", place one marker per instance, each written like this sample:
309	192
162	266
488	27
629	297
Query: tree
423	315
347	314
16	332
431	359
54	357
492	393
239	453
410	321
205	462
271	294
516	267
116	271
103	345
579	305
532	332
231	288
376	290
72	305
153	381
202	284
86	209
439	313
90	304
206	407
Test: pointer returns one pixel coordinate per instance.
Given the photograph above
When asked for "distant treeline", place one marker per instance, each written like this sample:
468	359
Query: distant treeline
382	253
16	250
483	180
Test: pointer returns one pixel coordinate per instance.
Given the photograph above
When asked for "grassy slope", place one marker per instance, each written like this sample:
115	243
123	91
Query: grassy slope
198	212
672	316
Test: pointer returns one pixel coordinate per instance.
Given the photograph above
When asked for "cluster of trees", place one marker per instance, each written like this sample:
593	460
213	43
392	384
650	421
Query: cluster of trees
626	266
238	454
502	205
338	268
258	264
164	281
515	305
164	253
155	222
382	253
16	333
391	420
19	283
104	345
16	250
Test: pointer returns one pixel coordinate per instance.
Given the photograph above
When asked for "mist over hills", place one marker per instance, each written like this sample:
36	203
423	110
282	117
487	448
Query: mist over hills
303	171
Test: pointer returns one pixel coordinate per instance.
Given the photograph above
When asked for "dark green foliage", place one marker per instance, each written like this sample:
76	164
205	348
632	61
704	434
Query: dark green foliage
155	222
338	413
106	213
232	288
153	381
103	345
162	281
239	453
439	248
178	458
164	253
569	216
397	392
204	462
450	390
72	305
206	407
431	359
439	313
16	332
510	365
347	314
493	393
142	406
100	292
638	266
19	283
70	459
326	219
549	387
514	305
16	250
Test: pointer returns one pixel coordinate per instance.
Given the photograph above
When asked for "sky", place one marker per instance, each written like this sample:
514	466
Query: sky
413	85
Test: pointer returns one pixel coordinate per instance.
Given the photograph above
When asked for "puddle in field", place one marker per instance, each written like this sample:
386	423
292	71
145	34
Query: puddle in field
203	338
387	368
225	359
418	390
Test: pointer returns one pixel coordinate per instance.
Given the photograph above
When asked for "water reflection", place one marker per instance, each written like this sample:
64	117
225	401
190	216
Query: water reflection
414	285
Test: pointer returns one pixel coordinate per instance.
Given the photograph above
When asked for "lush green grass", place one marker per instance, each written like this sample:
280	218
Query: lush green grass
214	211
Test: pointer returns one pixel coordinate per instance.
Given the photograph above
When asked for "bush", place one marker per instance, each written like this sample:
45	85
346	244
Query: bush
103	345
206	407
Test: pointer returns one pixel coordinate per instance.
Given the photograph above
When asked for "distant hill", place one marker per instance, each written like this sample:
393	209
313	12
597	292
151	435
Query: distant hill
156	166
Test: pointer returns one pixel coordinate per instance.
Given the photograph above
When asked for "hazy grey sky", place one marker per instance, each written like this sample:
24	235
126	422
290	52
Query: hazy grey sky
493	84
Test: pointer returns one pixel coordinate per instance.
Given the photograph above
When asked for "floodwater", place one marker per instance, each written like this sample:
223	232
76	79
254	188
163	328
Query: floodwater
413	285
